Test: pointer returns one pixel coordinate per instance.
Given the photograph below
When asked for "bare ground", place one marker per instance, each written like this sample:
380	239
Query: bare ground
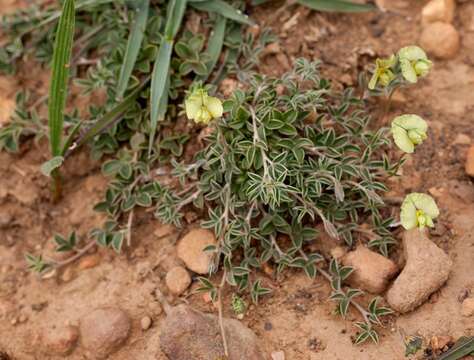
297	318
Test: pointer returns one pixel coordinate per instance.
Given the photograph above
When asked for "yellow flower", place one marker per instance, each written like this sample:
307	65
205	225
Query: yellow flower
418	210
383	74
408	131
414	63
202	108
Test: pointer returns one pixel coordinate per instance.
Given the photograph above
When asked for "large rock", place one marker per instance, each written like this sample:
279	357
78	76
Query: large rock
427	269
441	40
189	334
177	280
104	331
190	250
372	271
438	10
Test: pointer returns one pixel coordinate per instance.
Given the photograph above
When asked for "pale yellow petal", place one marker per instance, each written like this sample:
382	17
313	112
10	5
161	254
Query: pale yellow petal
408	216
427	204
192	105
214	105
408	71
402	140
411	122
412	53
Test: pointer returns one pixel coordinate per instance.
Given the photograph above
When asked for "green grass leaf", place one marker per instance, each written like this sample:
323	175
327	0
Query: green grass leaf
60	75
222	8
159	79
133	46
158	85
215	44
174	17
463	347
109	118
336	5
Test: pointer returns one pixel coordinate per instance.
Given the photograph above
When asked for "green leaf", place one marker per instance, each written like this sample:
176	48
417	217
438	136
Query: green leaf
158	85
175	13
133	46
224	9
463	347
117	241
49	166
214	46
336	5
159	80
109	118
60	75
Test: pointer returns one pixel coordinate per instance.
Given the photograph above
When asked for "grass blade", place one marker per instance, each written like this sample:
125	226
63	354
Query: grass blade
60	75
222	8
158	85
53	17
336	5
215	44
133	45
174	17
108	119
160	74
463	347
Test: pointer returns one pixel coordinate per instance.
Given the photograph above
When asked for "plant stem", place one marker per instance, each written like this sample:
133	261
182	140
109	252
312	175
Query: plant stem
221	318
79	254
129	228
354	303
57	185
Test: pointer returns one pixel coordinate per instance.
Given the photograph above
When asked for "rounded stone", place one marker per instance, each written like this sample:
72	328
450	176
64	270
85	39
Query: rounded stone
191	247
104	331
145	323
441	40
438	10
177	280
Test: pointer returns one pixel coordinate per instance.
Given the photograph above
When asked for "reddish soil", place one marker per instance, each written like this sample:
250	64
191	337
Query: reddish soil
297	317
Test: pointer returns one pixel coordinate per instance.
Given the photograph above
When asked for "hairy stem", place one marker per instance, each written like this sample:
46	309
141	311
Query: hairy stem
221	318
79	253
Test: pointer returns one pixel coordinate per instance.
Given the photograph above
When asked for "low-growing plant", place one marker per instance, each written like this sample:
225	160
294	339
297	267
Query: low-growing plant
287	160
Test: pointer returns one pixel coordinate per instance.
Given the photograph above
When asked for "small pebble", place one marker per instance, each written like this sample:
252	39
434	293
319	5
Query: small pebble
268	326
462	139
278	355
89	261
177	280
470	161
468	307
145	323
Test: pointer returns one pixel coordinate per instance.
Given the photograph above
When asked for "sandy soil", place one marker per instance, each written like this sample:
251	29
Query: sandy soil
297	317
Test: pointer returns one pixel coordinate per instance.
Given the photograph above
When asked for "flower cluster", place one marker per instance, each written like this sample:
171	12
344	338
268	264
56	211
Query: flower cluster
202	108
409	130
409	64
